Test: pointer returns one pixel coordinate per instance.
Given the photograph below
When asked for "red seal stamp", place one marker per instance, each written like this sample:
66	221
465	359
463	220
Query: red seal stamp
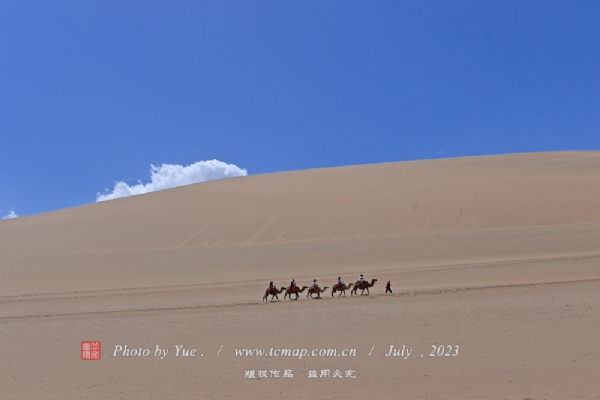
90	350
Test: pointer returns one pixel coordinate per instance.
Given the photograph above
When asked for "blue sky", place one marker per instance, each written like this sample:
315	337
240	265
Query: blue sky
93	92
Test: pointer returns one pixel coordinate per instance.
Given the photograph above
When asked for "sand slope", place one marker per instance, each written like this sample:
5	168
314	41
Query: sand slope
498	254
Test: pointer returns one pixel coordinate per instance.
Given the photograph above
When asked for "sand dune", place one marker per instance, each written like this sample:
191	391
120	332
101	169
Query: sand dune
446	195
498	254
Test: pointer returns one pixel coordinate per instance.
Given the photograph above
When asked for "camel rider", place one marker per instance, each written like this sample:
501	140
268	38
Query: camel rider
314	287
340	282
361	279
293	284
271	287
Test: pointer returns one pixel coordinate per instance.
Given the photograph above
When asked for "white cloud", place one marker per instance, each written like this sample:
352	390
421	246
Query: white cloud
11	214
172	175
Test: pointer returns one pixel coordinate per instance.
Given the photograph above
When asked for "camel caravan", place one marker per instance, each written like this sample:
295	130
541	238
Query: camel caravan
340	287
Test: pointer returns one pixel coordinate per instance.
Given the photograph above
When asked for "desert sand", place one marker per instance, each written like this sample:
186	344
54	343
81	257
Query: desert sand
498	255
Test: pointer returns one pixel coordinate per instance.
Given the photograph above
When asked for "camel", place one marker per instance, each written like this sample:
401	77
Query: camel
341	288
273	293
289	292
318	292
362	286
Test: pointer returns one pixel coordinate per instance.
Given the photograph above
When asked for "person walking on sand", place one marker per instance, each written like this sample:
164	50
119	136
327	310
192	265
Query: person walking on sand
388	287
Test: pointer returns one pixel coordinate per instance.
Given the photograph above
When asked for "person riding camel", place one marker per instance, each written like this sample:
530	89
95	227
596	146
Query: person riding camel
314	287
293	285
272	287
340	282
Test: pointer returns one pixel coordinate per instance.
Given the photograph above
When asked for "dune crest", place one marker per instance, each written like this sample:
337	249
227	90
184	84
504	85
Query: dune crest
362	201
